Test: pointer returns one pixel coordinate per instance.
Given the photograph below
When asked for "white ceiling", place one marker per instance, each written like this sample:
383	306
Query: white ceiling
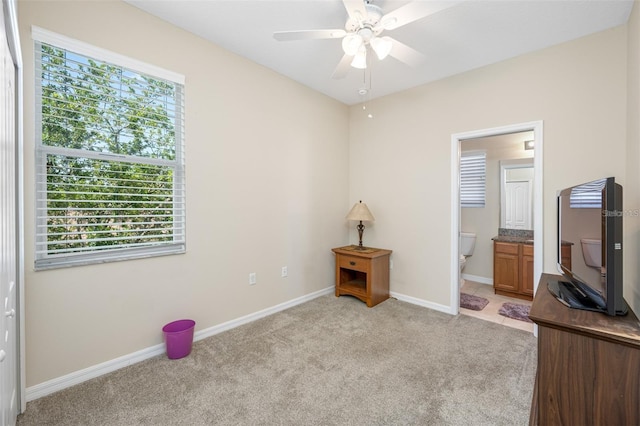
468	35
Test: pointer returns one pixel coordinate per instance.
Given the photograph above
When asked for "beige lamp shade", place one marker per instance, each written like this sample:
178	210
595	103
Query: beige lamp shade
360	211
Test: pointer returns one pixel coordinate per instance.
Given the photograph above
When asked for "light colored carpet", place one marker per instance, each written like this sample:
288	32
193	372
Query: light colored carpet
330	361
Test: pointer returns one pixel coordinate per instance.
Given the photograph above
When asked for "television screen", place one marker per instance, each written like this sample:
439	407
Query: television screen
590	247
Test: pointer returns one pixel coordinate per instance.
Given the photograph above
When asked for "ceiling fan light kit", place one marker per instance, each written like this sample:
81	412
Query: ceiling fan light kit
360	58
382	46
351	43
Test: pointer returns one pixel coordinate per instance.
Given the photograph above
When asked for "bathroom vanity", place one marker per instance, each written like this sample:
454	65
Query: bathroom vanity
513	262
513	266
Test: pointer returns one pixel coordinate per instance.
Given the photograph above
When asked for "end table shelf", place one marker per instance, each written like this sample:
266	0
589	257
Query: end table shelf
362	273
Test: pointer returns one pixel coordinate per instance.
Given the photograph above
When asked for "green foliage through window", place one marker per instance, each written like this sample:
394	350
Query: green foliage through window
110	167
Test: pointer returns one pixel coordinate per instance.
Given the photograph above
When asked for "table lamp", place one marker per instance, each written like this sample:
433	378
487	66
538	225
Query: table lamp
360	212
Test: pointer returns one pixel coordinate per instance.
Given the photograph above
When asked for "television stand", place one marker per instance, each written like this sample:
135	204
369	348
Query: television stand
588	364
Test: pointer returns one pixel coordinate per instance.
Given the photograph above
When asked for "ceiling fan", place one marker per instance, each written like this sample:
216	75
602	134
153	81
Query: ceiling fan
363	30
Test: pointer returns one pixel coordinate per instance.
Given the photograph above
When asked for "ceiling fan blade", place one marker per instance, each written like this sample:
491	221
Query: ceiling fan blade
406	54
413	11
343	67
308	35
356	9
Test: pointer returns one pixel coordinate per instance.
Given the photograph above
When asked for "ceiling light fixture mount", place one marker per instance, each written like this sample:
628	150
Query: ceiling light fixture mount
371	20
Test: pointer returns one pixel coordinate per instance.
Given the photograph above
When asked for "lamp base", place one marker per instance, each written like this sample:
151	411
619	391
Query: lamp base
360	232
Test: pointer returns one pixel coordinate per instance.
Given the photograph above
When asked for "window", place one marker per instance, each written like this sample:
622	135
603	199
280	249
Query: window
109	156
472	179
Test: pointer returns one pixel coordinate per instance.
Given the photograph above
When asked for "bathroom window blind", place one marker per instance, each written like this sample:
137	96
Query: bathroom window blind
473	179
588	195
110	181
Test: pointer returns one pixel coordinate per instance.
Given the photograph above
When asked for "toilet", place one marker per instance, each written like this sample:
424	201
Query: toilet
592	252
467	244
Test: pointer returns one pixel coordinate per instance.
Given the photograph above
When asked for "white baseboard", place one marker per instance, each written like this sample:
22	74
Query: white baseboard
421	302
478	279
68	380
260	314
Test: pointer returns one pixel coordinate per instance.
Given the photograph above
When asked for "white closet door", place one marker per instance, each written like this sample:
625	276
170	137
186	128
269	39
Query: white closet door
8	236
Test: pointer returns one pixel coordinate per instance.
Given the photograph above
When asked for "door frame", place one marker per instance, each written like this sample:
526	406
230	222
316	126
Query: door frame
456	139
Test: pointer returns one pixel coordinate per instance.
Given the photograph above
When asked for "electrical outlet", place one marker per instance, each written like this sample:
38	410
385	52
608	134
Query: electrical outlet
252	278
285	272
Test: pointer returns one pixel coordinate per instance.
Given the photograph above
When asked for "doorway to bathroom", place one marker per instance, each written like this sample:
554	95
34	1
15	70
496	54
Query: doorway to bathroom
512	202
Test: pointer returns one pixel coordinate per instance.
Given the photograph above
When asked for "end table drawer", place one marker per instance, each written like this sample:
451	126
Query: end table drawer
353	263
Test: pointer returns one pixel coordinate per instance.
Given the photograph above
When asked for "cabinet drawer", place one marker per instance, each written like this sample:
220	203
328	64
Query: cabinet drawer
508	248
527	249
353	263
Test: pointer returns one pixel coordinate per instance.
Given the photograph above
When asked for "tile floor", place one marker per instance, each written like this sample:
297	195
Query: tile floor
490	312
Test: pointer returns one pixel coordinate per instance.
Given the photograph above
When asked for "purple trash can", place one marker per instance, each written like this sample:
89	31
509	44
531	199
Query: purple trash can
178	336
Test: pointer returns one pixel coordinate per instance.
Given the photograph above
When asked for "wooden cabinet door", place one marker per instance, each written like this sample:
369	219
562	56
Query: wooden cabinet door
505	271
527	273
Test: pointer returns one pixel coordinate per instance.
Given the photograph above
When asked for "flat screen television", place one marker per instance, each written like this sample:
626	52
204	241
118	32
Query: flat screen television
590	247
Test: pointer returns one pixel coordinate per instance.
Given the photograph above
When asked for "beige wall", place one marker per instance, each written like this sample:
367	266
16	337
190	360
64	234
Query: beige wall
267	163
632	187
401	160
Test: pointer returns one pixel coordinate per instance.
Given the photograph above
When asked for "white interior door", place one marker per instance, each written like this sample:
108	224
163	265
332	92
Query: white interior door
8	237
518	205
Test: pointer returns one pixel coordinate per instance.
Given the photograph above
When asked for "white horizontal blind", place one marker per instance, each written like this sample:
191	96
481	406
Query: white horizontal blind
587	195
473	179
110	181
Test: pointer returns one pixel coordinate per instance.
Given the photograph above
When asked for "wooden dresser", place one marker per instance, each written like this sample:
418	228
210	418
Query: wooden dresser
588	365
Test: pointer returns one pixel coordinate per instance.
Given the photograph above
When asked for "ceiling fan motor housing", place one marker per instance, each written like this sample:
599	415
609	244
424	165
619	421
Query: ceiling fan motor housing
366	26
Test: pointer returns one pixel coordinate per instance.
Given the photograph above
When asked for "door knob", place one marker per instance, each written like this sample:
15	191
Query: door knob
10	314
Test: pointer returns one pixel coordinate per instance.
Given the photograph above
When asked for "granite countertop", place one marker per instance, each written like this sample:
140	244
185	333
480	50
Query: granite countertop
521	240
518	236
512	239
